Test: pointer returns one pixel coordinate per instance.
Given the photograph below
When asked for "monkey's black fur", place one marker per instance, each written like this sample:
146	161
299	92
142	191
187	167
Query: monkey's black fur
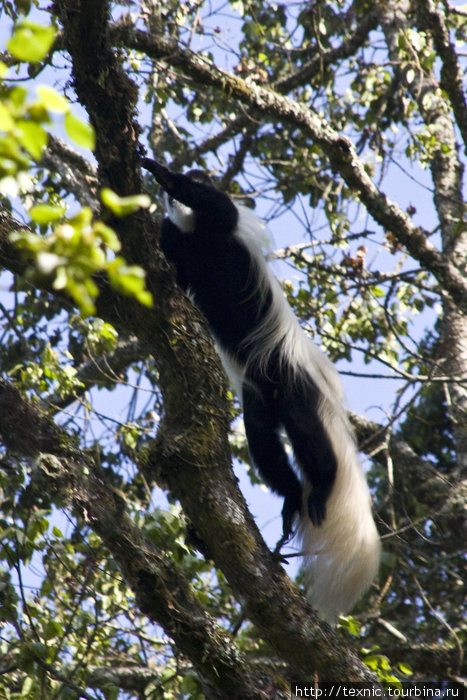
285	382
218	270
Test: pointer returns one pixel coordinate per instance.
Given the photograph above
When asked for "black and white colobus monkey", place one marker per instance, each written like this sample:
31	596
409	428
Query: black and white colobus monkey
284	381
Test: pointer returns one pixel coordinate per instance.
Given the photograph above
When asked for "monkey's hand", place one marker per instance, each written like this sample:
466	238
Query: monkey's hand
162	175
291	508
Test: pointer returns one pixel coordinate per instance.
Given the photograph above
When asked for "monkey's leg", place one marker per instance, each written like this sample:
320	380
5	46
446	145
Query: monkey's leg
267	451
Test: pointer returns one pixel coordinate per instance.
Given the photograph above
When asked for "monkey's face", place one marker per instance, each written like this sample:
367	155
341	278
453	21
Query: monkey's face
197	182
179	214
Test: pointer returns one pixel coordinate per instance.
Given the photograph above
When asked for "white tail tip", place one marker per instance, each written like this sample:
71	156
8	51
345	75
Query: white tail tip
342	555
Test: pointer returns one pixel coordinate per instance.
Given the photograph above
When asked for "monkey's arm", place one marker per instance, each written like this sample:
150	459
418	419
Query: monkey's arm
181	187
163	175
215	208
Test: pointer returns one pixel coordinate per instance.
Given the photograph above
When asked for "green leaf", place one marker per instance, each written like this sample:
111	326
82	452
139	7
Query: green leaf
108	236
405	669
129	280
31	42
18	96
61	279
81	132
52	629
27	686
6	120
372	662
48	262
46	213
145	298
350	624
52	100
32	137
122	206
81	295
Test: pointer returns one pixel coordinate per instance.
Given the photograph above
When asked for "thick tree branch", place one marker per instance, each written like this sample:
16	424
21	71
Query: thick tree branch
160	588
132	679
417	475
441	660
191	455
447	174
74	171
451	72
312	68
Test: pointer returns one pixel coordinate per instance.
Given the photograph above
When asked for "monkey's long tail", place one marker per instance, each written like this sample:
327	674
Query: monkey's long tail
341	555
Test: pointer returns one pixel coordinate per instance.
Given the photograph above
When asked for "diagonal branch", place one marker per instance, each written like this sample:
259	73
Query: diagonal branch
420	477
191	455
268	104
323	59
161	589
74	171
313	67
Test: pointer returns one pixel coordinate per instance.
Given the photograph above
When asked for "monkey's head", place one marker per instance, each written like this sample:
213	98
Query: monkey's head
181	215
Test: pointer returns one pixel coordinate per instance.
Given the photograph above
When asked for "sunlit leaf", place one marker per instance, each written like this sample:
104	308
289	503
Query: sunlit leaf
18	96
405	669
46	213
6	120
122	206
129	280
32	137
30	41
81	132
52	100
108	236
48	262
